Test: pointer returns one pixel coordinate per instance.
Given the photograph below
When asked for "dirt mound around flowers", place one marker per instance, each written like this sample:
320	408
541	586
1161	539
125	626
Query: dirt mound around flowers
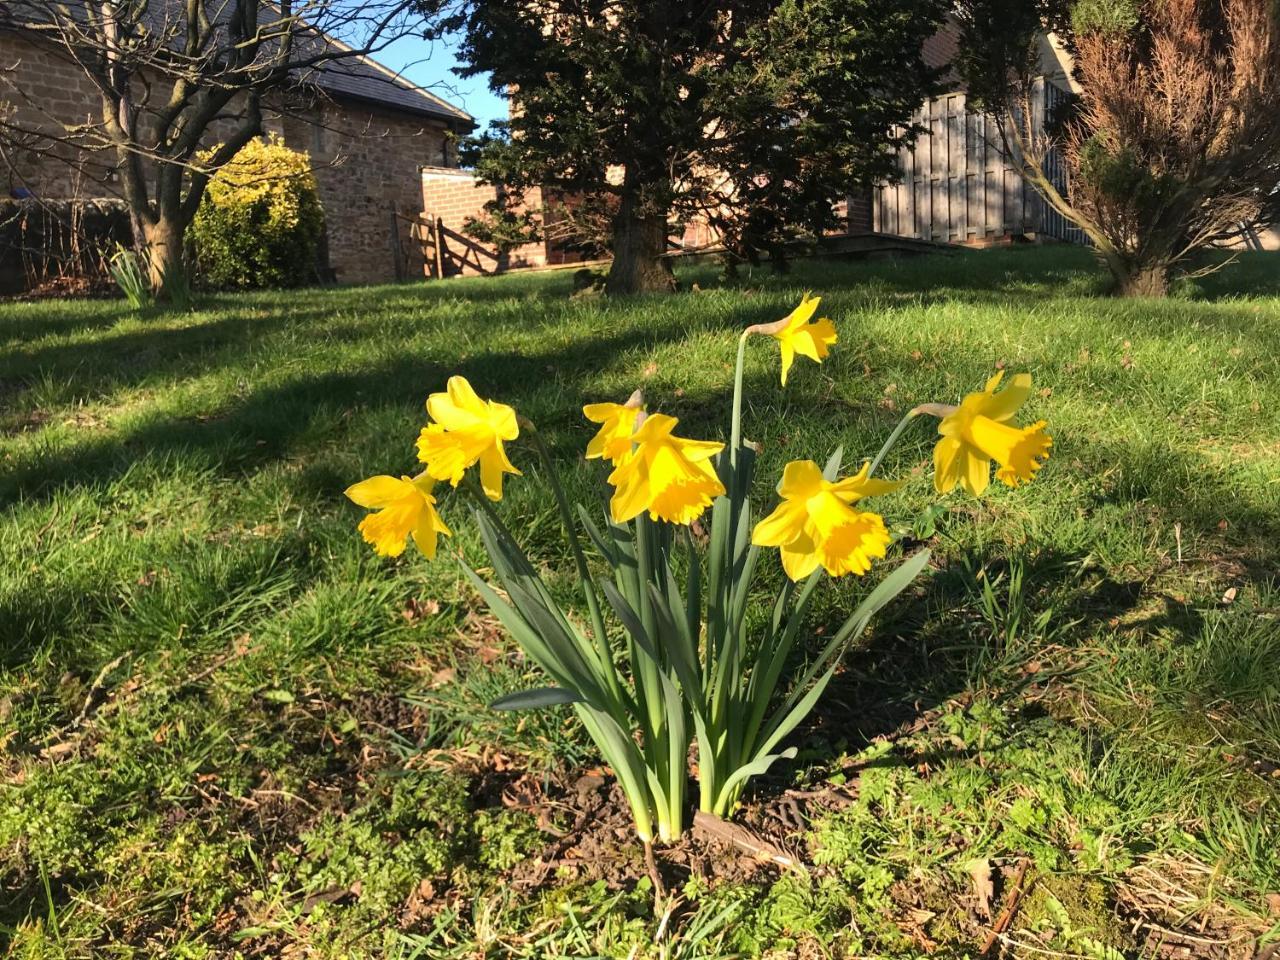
595	839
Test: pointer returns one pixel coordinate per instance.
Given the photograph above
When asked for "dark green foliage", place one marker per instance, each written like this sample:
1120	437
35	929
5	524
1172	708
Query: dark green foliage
1109	18
502	228
411	831
999	46
756	114
1117	172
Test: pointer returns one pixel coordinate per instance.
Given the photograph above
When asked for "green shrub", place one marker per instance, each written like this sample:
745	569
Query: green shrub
261	223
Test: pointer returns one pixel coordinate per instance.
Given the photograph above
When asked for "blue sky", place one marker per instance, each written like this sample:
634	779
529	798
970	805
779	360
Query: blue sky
430	65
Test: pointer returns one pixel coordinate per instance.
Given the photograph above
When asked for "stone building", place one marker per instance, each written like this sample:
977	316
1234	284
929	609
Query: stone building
368	131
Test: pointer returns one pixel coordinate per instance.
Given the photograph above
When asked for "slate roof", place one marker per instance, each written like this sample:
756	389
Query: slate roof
352	77
364	79
941	48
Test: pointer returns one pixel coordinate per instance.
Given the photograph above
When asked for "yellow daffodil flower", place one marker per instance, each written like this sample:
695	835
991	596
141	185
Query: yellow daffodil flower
403	507
795	334
669	476
467	430
978	431
617	425
815	525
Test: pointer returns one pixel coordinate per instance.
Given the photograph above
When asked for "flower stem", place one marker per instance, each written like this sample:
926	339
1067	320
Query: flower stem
893	438
735	428
939	410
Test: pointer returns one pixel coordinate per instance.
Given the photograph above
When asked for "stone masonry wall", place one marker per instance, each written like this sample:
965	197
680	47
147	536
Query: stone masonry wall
46	91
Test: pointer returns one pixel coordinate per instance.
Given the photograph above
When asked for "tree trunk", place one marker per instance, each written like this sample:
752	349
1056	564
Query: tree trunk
639	240
1141	279
166	254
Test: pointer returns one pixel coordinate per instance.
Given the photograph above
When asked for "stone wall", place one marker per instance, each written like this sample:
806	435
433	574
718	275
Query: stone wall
46	92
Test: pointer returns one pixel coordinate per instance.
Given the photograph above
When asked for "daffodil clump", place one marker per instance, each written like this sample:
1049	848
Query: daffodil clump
667	661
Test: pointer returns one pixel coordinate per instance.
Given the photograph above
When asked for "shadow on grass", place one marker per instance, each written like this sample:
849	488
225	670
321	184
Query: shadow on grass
265	425
935	645
261	330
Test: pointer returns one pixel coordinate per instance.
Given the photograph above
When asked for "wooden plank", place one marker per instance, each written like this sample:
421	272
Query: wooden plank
960	153
437	241
907	206
924	207
1014	214
993	188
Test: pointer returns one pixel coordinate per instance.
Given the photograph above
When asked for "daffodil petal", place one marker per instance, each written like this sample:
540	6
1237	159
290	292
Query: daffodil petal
629	501
428	531
946	464
788	358
601	412
493	464
800	479
799	558
801	315
977	471
1003	405
861	485
376	492
698	450
782	526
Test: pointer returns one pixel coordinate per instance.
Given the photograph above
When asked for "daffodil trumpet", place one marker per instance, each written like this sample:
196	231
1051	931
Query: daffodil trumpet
668	660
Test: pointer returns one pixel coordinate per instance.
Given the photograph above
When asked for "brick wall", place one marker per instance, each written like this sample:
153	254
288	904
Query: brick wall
367	164
367	160
453	196
858	210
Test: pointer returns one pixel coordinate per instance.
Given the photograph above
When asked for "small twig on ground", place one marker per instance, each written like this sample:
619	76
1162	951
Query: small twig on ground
745	840
96	689
1178	936
659	891
1011	901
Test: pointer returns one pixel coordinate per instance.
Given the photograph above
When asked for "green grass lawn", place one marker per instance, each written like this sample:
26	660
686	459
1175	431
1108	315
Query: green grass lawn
228	729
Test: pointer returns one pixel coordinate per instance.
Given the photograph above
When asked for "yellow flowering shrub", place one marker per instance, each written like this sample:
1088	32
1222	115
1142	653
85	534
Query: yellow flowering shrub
260	223
679	668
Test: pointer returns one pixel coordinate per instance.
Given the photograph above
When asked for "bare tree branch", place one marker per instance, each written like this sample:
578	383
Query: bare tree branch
183	85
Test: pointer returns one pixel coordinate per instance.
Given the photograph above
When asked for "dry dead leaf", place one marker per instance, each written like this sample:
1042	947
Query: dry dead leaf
415	609
984	888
